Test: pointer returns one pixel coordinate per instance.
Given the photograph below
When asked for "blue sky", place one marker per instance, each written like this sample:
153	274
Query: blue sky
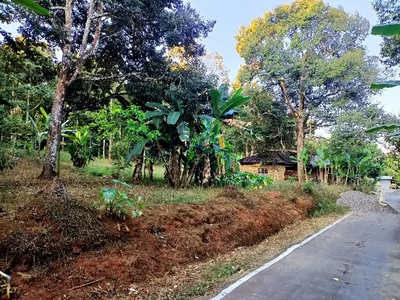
230	14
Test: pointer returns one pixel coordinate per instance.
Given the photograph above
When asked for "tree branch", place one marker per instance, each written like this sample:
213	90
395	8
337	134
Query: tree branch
287	98
119	76
86	32
84	54
57	8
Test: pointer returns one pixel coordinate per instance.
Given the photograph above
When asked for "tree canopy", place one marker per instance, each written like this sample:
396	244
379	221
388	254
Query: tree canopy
311	57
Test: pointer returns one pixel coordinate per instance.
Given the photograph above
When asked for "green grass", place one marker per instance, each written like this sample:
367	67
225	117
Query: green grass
326	196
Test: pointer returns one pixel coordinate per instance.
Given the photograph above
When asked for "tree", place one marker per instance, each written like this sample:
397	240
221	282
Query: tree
27	74
271	125
311	57
108	41
388	11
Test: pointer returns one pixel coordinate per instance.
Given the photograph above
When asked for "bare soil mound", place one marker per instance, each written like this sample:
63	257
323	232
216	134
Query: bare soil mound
165	237
51	226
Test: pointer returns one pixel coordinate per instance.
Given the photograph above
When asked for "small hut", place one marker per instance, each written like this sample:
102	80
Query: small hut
276	164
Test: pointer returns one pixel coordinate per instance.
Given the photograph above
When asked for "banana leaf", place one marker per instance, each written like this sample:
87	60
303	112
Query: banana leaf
33	6
382	127
386	29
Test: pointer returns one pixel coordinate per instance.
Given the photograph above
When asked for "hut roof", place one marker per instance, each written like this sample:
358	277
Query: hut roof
269	158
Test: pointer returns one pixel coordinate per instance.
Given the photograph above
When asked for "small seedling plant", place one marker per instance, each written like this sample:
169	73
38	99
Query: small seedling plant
117	203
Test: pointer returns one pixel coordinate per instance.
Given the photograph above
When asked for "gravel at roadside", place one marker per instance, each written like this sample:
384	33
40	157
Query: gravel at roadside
359	202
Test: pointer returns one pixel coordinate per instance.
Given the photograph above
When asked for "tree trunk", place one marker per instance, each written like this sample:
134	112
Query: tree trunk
247	148
53	137
109	150
151	170
138	168
191	174
206	171
27	108
104	149
184	176
166	166
300	146
175	169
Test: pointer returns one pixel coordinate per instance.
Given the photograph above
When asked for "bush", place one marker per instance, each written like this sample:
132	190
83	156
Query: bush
120	149
6	161
117	203
243	180
326	196
366	186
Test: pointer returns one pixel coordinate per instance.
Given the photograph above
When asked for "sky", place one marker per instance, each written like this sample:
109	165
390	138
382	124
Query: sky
230	14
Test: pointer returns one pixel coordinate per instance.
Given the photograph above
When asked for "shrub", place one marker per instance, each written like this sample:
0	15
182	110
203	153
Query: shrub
243	180
120	149
117	203
80	149
6	161
366	186
326	196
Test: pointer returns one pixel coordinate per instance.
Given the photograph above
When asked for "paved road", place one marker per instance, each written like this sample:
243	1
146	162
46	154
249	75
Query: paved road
393	199
363	252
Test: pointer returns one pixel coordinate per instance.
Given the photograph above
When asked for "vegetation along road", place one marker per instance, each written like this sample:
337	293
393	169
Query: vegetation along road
358	258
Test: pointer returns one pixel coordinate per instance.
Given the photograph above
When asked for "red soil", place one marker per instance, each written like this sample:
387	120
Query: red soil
164	237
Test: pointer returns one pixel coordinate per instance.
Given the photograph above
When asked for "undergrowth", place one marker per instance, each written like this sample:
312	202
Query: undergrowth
326	196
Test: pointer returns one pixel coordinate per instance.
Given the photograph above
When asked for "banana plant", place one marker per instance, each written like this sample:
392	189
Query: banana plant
33	6
303	160
41	134
222	107
386	30
79	148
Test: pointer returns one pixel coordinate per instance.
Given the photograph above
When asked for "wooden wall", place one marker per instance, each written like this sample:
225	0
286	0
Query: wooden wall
276	172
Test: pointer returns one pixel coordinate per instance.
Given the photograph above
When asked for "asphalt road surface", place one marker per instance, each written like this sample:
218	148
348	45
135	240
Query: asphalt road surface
357	259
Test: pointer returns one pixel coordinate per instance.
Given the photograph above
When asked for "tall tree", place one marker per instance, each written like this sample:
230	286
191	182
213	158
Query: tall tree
108	40
311	57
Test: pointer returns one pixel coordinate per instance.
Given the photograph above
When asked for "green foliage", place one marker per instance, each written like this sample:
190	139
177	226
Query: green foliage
243	180
385	84
127	127
388	12
326	197
268	124
6	161
33	6
367	186
392	166
386	29
221	109
117	203
311	57
79	148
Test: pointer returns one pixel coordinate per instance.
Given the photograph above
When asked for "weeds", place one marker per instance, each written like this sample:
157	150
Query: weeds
326	196
117	202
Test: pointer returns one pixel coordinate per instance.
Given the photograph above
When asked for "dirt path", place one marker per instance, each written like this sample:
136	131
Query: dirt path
359	258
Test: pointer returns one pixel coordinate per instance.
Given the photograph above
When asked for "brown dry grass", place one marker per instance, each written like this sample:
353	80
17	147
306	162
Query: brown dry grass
207	278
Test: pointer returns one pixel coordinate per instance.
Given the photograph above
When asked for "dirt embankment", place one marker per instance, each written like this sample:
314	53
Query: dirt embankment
134	250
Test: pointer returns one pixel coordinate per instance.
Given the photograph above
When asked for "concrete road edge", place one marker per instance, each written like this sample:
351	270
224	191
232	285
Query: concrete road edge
245	278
